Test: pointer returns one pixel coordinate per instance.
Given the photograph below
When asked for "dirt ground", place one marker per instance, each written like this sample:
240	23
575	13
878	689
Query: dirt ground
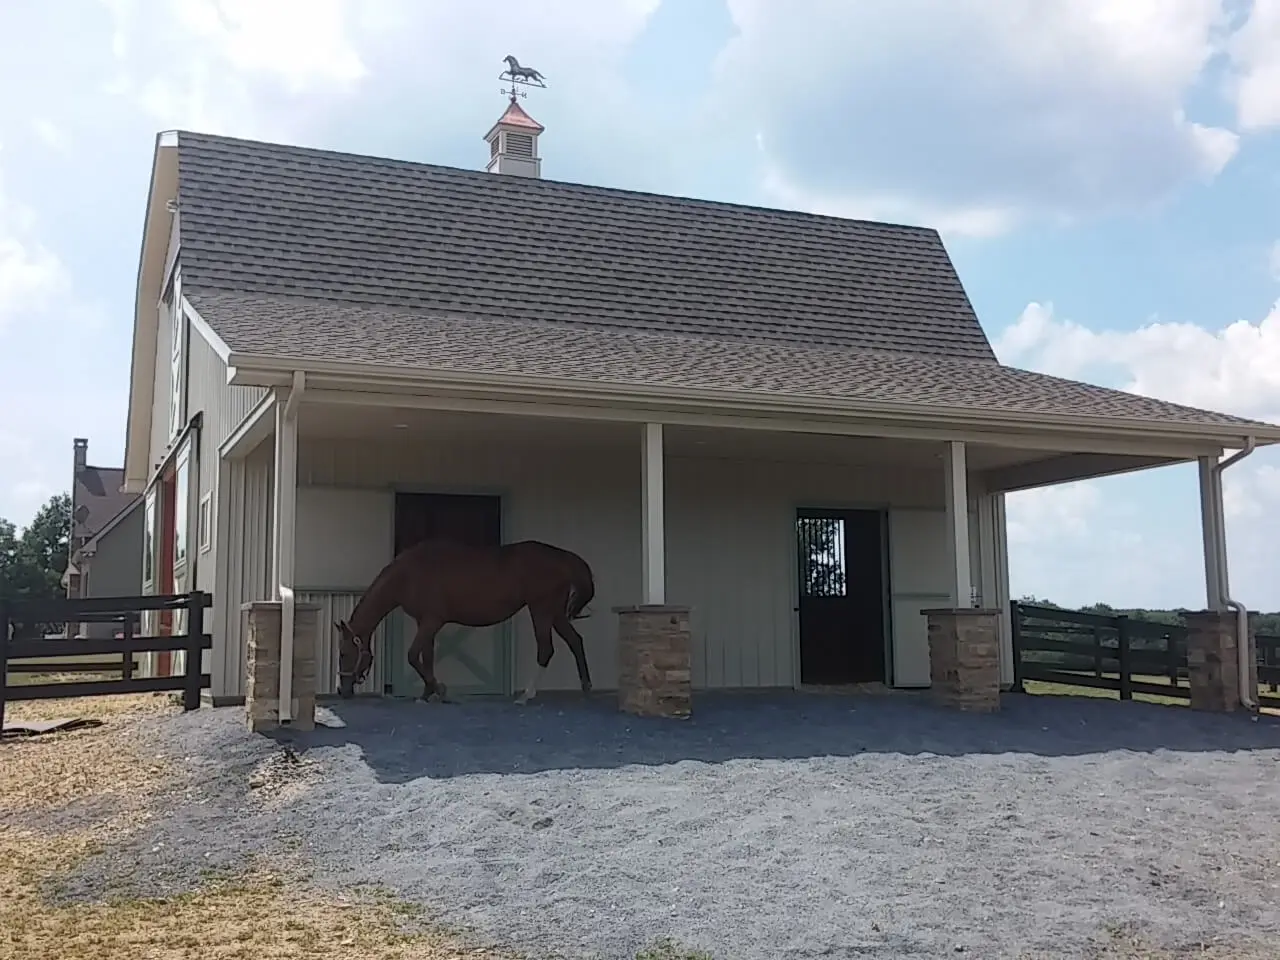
263	911
259	913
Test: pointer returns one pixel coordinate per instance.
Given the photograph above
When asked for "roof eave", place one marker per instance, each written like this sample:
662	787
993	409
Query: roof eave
146	319
250	370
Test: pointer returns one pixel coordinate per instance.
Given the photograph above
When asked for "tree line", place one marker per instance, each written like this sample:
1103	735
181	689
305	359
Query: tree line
1267	624
33	561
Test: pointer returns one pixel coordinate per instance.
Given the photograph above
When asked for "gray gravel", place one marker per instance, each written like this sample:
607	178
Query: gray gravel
765	828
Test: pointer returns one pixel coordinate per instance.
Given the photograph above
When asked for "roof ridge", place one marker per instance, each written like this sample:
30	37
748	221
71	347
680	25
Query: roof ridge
549	183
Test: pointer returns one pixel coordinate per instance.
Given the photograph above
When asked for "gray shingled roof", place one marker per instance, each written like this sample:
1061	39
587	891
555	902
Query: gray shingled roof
265	218
313	329
291	252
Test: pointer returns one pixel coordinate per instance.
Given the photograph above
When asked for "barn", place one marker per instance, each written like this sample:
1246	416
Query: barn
791	425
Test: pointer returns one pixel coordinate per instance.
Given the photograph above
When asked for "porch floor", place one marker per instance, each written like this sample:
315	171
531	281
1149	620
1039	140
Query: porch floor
770	825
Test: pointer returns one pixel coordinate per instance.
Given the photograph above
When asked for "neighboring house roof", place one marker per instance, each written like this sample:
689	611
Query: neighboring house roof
92	543
263	218
290	253
96	500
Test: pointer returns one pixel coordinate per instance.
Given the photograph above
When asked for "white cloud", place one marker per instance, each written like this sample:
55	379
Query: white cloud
1067	509
1255	53
1235	369
1129	541
50	134
998	111
301	43
273	69
31	275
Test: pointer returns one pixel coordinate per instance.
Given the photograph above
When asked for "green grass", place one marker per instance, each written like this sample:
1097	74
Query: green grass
1042	688
668	949
58	673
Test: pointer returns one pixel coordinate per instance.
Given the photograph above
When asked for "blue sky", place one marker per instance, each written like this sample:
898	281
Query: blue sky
1106	174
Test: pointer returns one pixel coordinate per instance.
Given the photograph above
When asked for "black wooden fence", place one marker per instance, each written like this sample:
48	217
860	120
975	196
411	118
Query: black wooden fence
1118	653
23	622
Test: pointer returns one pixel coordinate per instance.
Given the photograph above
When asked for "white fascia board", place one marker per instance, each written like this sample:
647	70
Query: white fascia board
885	419
210	336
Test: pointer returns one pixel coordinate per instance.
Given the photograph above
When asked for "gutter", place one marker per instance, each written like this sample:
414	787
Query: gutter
289	543
1244	649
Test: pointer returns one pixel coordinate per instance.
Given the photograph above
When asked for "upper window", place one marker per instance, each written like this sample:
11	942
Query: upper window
177	348
181	506
149	542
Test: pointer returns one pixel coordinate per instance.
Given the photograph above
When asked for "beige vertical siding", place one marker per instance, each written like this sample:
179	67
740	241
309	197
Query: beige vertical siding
730	547
223	408
336	605
248	546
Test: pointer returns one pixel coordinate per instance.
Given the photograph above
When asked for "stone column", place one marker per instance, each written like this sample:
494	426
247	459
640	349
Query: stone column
261	627
654	673
1212	660
964	658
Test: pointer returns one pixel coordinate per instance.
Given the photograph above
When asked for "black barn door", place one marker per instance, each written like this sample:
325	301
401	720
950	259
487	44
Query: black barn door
840	557
467	518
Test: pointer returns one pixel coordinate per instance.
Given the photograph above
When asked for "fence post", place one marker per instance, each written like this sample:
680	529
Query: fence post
1015	620
4	658
126	658
195	653
1171	653
1122	652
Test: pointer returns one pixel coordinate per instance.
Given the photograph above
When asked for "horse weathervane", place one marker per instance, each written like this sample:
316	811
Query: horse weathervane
516	74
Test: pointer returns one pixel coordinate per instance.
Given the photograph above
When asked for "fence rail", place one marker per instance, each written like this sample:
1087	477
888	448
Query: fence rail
1121	653
21	654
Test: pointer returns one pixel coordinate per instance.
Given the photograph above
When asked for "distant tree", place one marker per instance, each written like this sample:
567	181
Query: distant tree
8	557
32	564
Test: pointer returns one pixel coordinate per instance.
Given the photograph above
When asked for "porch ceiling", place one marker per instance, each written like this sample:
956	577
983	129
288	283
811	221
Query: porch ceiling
1000	467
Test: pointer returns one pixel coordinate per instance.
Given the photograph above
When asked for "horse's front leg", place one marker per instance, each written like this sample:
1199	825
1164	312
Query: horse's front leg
542	632
422	657
573	640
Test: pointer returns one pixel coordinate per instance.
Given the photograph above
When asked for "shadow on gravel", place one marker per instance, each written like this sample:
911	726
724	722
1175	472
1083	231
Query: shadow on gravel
404	740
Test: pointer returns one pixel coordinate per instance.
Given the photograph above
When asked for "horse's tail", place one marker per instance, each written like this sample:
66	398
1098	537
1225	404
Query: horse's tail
582	588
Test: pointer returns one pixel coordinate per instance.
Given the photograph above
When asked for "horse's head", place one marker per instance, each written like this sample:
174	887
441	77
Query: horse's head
355	657
512	62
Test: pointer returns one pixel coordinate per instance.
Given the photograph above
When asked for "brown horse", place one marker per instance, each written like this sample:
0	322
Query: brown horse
440	581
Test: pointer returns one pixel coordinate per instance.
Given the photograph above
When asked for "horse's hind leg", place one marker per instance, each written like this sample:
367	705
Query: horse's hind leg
422	657
573	639
542	633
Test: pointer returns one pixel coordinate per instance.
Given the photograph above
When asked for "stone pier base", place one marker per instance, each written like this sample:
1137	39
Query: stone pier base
654	672
964	658
1213	660
261	621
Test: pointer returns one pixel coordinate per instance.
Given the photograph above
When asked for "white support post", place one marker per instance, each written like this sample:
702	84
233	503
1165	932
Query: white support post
283	531
956	473
653	551
1209	495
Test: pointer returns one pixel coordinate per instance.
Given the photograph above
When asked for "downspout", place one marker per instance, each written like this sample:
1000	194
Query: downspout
288	546
1244	650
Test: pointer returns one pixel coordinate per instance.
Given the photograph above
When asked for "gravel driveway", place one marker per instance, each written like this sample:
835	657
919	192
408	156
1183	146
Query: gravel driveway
765	828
